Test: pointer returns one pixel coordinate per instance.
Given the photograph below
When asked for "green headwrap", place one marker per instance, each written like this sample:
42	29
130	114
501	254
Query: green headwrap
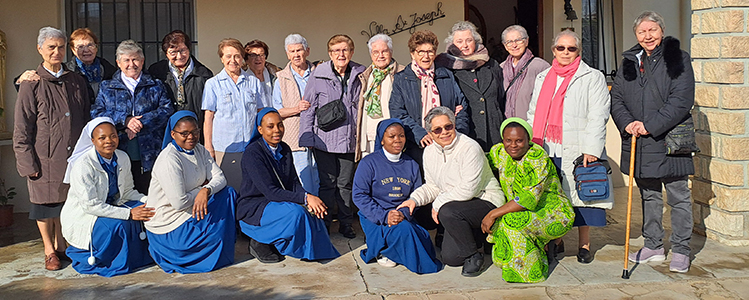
520	121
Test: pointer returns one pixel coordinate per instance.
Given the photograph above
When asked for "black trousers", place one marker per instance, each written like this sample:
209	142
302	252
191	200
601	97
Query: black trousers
141	180
462	222
336	172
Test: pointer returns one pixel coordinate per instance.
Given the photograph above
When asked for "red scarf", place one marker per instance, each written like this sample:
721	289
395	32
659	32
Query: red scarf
548	119
430	96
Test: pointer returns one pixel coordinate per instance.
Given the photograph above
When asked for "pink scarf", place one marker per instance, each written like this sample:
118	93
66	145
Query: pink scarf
430	96
547	121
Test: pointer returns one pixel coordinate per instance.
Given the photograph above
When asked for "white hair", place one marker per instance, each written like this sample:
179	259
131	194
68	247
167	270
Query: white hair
129	47
461	26
438	111
571	33
49	33
380	38
649	16
293	39
511	28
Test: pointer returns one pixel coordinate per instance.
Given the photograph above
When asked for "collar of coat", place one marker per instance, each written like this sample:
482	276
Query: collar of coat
439	73
364	76
287	72
669	50
44	74
145	81
325	70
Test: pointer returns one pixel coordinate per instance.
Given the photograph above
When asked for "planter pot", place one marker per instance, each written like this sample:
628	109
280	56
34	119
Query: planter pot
6	215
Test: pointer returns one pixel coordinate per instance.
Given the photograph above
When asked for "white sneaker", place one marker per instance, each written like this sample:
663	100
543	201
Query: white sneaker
386	262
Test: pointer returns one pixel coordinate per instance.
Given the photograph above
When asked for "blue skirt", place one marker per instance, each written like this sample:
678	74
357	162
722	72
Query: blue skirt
406	243
116	246
293	231
199	246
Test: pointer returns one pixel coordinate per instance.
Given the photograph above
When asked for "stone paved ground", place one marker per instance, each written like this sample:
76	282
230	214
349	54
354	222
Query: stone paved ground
718	272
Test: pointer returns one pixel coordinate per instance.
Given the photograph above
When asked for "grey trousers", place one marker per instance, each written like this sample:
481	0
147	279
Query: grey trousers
680	200
336	172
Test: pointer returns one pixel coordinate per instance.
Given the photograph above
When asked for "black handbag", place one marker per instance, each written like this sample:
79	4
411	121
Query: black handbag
330	115
680	140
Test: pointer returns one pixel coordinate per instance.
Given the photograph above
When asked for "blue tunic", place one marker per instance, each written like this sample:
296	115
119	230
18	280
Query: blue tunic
379	187
116	247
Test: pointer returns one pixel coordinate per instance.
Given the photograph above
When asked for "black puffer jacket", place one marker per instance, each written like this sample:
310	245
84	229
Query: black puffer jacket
661	98
194	84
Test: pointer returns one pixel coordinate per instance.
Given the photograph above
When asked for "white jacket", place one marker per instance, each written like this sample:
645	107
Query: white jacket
87	197
586	111
457	172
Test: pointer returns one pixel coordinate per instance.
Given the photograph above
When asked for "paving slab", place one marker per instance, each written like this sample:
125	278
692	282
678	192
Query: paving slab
607	268
533	293
739	289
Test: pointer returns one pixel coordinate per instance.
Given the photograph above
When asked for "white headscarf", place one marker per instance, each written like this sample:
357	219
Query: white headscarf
84	143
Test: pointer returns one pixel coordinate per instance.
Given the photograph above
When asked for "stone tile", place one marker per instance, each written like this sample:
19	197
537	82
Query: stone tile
737	288
734	148
734	47
515	294
696	64
723	72
729	3
734	97
447	296
709	144
702	191
722	21
728	173
705	47
667	295
703	4
607	267
732	199
406	297
731	224
706	95
725	122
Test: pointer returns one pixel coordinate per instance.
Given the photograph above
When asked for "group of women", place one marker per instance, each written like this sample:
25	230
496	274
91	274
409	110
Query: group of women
468	146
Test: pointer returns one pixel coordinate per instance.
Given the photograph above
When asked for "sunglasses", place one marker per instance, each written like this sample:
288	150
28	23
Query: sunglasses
561	48
448	127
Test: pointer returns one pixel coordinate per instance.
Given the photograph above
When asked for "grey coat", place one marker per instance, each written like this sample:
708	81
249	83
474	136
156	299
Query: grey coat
661	98
486	98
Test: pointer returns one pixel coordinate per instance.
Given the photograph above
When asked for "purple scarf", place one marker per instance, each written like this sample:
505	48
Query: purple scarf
509	72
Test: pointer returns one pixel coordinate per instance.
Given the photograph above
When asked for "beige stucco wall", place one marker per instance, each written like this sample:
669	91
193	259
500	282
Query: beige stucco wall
317	22
21	22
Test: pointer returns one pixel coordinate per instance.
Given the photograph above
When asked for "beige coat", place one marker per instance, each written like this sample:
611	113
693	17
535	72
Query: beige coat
49	116
363	78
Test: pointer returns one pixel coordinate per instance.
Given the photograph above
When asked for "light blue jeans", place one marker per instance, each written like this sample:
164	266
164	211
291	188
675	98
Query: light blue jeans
306	169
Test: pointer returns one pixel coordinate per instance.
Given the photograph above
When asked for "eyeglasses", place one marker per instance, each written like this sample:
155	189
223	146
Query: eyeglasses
85	47
185	134
377	53
340	51
519	41
255	55
448	127
561	48
183	52
425	52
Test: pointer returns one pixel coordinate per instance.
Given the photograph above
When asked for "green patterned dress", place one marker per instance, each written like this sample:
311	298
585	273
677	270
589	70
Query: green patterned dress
519	237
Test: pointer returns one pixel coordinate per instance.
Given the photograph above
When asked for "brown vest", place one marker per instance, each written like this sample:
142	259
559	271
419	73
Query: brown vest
290	97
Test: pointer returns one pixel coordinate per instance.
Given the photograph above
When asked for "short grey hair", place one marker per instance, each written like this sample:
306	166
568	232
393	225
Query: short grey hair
293	39
438	111
651	16
380	37
129	47
461	26
571	33
49	33
511	28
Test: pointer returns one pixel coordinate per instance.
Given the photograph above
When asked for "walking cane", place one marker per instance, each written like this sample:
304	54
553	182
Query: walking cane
625	273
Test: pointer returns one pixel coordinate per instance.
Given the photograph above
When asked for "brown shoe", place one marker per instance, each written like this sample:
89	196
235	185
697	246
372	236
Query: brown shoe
52	263
62	256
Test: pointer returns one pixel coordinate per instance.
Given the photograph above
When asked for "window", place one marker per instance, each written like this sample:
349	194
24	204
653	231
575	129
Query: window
145	21
590	32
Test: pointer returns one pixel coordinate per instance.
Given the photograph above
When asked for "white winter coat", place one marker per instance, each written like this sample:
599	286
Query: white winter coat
586	111
87	197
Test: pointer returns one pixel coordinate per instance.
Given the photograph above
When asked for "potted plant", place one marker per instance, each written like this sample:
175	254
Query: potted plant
6	210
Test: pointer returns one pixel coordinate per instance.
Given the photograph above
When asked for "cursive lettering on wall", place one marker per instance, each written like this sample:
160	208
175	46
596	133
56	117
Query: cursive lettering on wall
408	23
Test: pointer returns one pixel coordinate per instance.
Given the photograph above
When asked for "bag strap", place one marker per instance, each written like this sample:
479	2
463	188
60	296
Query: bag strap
278	177
518	74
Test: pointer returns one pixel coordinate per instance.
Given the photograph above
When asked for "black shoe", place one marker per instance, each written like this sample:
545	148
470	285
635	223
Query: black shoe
472	265
265	253
559	251
584	256
438	238
347	231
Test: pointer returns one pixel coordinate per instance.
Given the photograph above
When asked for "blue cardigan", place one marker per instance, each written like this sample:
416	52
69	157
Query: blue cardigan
381	185
151	101
260	185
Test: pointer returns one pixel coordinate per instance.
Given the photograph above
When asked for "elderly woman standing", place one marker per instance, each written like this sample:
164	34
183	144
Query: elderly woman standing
140	108
421	87
334	84
653	94
182	74
101	219
263	70
536	210
84	44
230	100
518	66
50	114
569	111
374	101
461	188
480	80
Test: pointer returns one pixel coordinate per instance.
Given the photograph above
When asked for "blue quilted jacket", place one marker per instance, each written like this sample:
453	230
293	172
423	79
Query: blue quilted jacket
151	101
